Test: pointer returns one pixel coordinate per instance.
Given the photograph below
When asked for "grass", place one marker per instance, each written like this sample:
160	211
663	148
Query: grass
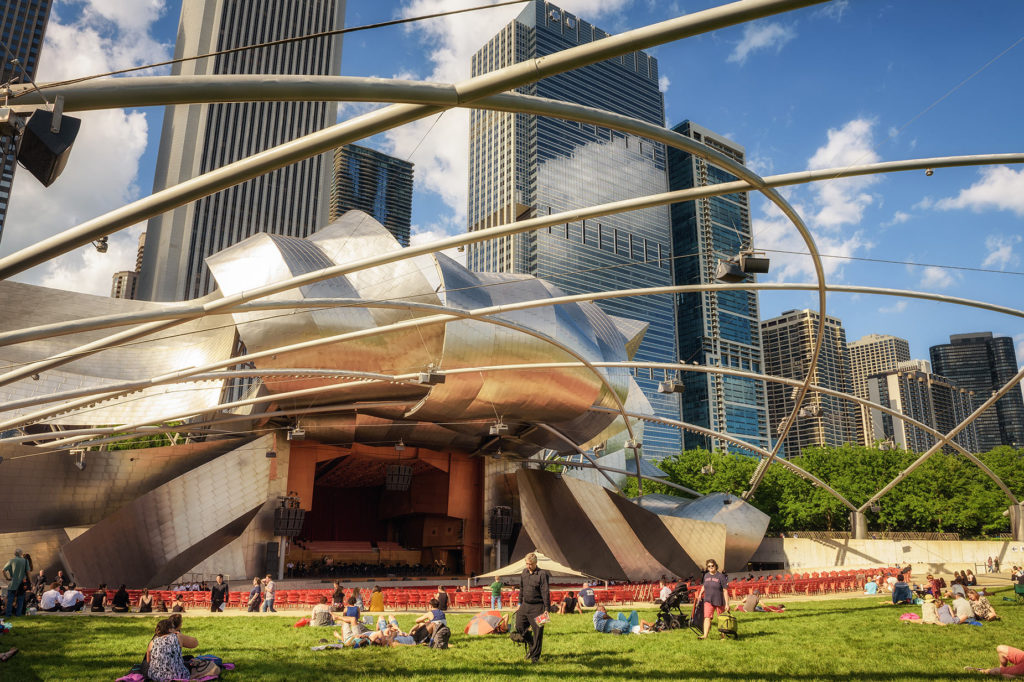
836	639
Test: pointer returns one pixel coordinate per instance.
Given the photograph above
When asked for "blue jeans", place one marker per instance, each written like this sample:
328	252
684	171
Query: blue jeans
14	598
496	601
633	619
268	605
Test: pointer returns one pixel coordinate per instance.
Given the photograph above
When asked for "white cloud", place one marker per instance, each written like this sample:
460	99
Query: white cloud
663	83
898	218
843	201
895	308
761	36
102	170
431	233
1000	251
441	146
1000	188
834	9
933	277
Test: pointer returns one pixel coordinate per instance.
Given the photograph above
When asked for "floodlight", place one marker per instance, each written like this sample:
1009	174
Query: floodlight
79	455
929	172
499	428
400	447
672	386
430	378
295	433
11	125
101	244
810	411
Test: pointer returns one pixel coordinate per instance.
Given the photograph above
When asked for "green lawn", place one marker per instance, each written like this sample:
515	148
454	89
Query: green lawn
850	639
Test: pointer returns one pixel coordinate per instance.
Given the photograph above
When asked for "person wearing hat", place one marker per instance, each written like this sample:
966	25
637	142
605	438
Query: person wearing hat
929	612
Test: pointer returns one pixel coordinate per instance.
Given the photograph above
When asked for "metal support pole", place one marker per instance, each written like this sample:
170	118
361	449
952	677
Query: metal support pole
858	525
280	557
1017	522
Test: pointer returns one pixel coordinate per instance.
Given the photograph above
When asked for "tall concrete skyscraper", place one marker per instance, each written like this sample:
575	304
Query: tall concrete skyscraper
870	355
22	27
202	137
715	328
374	183
521	166
928	398
788	346
982	363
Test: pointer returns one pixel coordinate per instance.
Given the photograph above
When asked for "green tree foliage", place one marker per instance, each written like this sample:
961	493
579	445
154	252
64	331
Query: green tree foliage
947	493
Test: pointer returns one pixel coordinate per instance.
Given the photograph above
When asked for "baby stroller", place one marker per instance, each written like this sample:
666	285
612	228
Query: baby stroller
671	615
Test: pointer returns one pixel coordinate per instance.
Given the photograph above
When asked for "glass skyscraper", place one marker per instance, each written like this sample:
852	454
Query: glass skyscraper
715	328
22	26
983	364
523	166
374	183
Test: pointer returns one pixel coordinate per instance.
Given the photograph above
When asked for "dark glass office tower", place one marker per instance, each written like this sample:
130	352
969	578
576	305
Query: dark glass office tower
22	27
522	166
715	328
983	364
374	183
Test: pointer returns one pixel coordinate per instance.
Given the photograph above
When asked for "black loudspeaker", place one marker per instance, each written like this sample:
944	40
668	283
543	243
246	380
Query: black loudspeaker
272	558
499	523
45	153
288	521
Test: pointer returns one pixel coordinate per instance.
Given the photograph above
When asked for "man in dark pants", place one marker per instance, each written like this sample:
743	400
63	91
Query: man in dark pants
218	594
534	597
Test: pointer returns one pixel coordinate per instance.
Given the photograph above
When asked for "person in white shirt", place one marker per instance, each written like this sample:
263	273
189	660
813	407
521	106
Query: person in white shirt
73	600
664	593
50	601
962	610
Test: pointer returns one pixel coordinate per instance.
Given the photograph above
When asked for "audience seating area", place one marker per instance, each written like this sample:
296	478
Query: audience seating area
807	583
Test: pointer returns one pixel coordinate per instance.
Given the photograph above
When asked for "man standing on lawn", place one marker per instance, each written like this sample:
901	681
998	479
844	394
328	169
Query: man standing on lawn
534	597
15	571
496	594
269	592
219	594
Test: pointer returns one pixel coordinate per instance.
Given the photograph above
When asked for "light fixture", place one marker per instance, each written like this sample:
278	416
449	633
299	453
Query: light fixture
733	271
810	411
431	377
296	433
497	454
11	125
35	377
79	455
671	386
929	172
400	446
499	428
875	508
101	244
633	444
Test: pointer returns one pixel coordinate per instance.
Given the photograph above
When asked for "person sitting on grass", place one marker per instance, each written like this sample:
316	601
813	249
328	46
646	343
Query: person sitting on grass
871	587
321	615
179	603
49	601
73	599
145	603
980	606
99	598
929	612
608	625
944	613
350	627
377	599
568	603
427	624
164	653
962	610
972	580
901	593
1011	663
121	602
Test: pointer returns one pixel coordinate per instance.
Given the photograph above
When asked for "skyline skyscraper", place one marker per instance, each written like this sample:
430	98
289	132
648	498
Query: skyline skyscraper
198	138
522	165
928	398
788	342
983	364
715	328
375	183
22	28
870	355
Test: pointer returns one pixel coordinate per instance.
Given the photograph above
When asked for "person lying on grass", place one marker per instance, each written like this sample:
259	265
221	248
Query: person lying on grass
1011	663
605	623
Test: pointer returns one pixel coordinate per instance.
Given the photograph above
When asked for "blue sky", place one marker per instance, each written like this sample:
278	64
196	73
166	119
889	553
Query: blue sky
832	85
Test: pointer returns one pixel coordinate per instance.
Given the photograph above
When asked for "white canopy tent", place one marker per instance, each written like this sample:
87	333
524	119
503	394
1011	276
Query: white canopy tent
556	569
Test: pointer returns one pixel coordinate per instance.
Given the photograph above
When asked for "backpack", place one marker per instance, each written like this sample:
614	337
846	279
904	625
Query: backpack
441	636
726	623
